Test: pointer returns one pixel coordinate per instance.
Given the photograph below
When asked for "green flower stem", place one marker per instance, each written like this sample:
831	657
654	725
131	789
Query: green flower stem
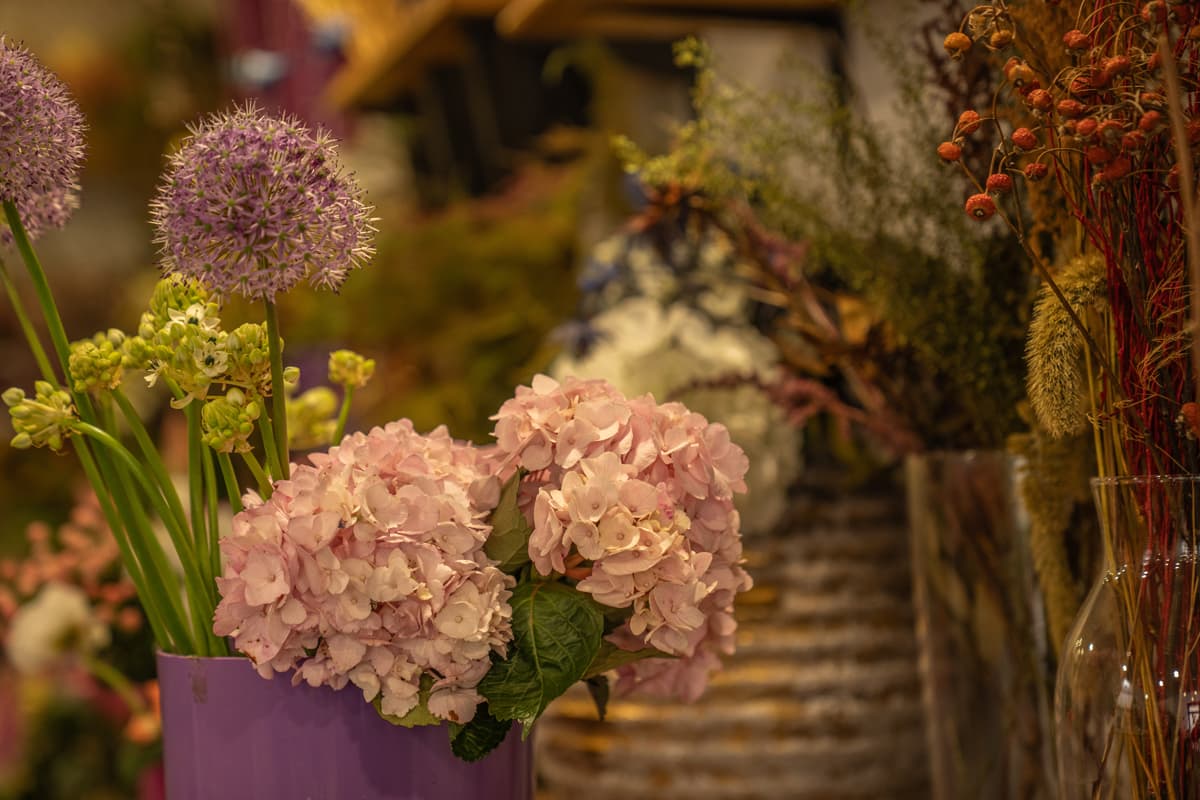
268	436
231	482
58	334
196	491
260	477
198	600
153	610
214	528
278	397
113	678
31	334
343	413
145	550
150	454
150	552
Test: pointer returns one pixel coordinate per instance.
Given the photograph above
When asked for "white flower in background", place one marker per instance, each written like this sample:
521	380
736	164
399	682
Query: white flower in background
700	269
644	347
54	626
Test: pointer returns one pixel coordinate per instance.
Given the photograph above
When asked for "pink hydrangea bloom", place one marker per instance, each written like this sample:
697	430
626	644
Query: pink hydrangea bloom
367	567
640	495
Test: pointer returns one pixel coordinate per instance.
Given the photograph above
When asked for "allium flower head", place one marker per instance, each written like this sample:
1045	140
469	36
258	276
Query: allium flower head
253	204
41	143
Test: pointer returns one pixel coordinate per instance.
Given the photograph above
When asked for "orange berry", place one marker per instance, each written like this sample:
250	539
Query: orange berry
1041	100
969	122
980	206
1035	171
999	183
957	44
1024	138
949	151
1076	40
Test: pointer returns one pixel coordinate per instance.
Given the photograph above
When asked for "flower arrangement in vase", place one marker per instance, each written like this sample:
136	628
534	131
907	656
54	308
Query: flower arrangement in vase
449	583
1093	124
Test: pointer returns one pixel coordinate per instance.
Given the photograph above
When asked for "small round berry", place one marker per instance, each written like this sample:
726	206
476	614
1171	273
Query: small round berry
1000	39
969	122
1035	171
1081	86
1117	65
1154	11
1134	140
1076	40
1040	100
1086	127
1098	155
1150	121
1110	130
1071	109
1019	73
980	206
957	44
949	151
999	182
1024	138
1117	168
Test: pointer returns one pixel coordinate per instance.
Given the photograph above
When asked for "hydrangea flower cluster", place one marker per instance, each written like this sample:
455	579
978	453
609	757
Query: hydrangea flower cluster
639	495
253	204
41	143
721	371
367	567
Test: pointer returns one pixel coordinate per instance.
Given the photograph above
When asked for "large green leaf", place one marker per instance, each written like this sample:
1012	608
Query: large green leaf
609	657
480	736
556	635
508	543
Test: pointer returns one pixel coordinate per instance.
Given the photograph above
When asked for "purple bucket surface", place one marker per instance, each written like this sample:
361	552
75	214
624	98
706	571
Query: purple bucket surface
230	734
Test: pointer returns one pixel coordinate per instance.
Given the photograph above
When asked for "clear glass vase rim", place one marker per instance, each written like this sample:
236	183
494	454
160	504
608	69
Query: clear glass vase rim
1138	480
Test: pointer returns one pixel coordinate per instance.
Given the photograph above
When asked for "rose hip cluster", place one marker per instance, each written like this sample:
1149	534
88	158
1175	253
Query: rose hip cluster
1102	118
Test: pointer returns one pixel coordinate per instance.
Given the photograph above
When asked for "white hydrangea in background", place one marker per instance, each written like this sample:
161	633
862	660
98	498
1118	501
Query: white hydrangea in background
643	347
54	627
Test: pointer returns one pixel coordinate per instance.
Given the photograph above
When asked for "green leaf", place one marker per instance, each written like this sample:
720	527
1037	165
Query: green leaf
609	657
419	715
597	687
556	635
509	541
480	736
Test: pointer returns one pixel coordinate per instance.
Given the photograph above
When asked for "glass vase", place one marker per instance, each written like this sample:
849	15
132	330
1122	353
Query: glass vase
983	652
1127	708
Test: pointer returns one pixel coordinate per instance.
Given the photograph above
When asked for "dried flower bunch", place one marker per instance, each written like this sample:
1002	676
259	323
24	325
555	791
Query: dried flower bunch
1109	115
447	582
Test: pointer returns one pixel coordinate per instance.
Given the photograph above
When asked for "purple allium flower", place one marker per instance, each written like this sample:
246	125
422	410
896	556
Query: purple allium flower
253	204
41	143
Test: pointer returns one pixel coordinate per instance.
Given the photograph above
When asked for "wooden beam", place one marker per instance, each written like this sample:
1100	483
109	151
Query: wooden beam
637	19
428	34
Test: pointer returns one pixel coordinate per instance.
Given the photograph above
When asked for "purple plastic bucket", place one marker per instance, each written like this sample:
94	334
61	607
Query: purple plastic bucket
229	734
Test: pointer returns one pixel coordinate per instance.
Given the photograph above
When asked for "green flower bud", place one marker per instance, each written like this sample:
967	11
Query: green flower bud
347	368
228	422
13	395
312	418
96	364
40	421
249	359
